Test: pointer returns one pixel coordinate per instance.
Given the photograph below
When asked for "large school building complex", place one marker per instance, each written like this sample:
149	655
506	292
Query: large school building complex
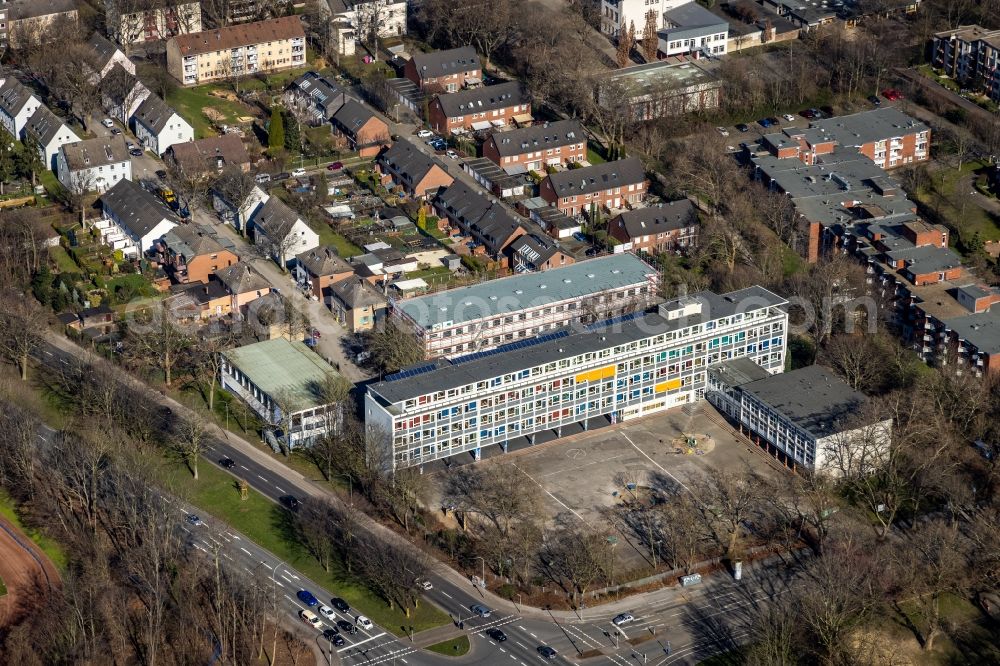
615	370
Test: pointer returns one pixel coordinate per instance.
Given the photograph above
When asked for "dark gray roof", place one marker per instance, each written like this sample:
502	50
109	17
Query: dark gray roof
480	100
192	240
241	278
658	219
982	330
926	259
43	125
813	398
352	116
103	49
495	227
598	177
449	375
355	292
154	113
738	371
91	153
326	94
535	137
875	125
975	291
275	219
407	159
323	261
443	63
535	249
135	208
464	202
25	9
691	20
13	96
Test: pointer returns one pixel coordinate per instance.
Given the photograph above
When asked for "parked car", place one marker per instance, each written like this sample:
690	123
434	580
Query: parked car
107	122
789	117
765	122
480	610
161	174
592	252
115	131
743	127
195	520
580	236
346	626
452	154
310	618
875	100
226	462
262	178
284	175
425	134
497	635
425	584
306	597
363	622
722	130
290	502
298	173
327	612
892	94
336	166
807	113
340	605
334	637
547	652
135	152
774	121
622	618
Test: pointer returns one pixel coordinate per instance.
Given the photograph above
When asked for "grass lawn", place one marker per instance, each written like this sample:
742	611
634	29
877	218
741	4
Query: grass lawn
268	525
54	551
49	181
189	103
453	648
959	211
593	156
64	263
344	247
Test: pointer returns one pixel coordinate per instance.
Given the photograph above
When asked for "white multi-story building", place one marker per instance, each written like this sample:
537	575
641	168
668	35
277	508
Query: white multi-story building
486	315
619	14
970	54
386	17
17	104
157	126
93	164
48	133
133	219
617	370
151	20
807	417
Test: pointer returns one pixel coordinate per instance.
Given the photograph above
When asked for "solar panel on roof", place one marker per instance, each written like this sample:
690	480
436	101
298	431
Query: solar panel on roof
410	372
510	346
614	320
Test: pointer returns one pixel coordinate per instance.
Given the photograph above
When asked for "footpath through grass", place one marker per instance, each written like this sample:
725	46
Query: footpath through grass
455	647
53	550
270	526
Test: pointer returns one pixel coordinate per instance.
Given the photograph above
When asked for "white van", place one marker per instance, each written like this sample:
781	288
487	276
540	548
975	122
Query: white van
262	178
311	619
363	622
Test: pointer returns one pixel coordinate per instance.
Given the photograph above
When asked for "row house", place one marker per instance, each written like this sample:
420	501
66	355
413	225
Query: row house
365	132
479	108
484	316
158	127
133	220
122	93
316	98
104	56
48	133
420	176
318	268
93	164
445	71
536	252
535	147
194	253
610	185
487	222
151	20
237	50
669	227
17	105
970	54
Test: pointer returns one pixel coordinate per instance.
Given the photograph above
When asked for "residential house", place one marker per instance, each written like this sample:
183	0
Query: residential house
48	133
501	183
235	199
315	98
194	252
665	228
133	219
806	15
807	418
535	252
210	155
237	50
479	108
365	132
151	20
403	165
105	55
662	89
245	11
280	380
494	231
618	15
383	262
93	322
609	185
692	30
356	304
556	223
244	285
445	71
386	17
970	54
34	21
17	105
197	301
93	164
122	93
534	147
158	126
318	268
280	229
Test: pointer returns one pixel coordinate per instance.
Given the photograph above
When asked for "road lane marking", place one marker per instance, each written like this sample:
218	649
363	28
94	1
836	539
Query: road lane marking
246	551
352	645
280	489
446	594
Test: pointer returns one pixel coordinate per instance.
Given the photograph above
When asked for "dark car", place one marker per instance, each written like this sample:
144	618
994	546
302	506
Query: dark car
875	100
347	627
161	174
592	252
335	166
306	597
115	131
497	635
340	605
284	175
580	237
765	122
135	152
773	120
334	637
808	113
290	502
546	652
226	462
743	127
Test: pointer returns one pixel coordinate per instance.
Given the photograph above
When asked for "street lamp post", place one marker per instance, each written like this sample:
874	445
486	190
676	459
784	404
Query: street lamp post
350	485
480	557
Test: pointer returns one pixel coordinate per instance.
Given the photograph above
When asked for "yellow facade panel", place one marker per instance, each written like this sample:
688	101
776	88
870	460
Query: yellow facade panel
596	375
667	386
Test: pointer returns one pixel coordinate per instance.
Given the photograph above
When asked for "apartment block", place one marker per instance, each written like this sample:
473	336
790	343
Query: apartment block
237	50
479	109
534	147
610	185
445	71
668	227
485	316
970	54
151	20
569	381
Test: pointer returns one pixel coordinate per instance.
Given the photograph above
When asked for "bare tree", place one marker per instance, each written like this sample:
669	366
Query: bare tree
190	440
575	557
22	326
155	339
